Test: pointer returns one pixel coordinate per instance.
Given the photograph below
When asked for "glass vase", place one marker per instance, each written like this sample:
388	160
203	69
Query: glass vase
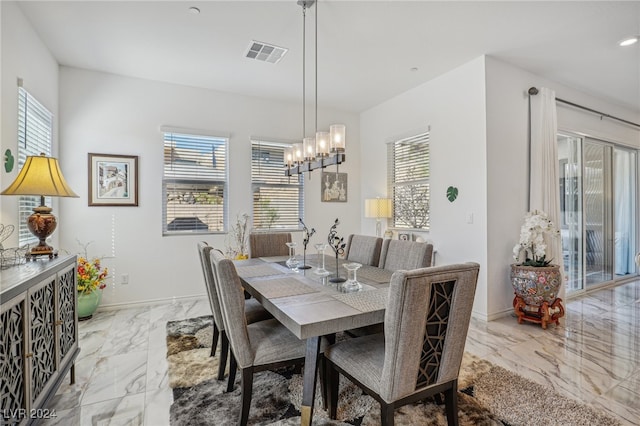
320	270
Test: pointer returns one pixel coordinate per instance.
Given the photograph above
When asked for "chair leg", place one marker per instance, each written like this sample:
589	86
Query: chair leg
386	414
451	404
333	384
233	366
323	382
246	375
224	351
214	343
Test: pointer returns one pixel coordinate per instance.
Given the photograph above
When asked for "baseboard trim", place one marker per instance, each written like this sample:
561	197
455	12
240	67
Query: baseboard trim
152	302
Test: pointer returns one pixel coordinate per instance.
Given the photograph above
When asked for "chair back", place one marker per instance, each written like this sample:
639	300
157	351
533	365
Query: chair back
232	302
363	249
209	280
265	244
427	347
407	255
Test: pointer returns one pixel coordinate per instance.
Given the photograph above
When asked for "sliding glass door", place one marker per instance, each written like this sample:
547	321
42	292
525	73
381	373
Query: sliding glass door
597	212
598	202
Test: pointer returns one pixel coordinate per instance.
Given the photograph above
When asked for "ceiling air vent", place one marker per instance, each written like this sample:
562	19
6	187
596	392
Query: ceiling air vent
265	52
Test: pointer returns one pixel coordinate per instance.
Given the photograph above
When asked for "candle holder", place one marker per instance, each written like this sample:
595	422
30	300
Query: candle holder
320	247
337	244
352	283
305	240
292	262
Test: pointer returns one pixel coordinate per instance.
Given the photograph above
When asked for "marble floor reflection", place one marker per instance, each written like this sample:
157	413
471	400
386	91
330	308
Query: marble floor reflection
121	372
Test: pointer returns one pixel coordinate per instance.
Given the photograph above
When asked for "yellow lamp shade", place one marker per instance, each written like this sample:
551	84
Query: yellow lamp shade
40	175
378	207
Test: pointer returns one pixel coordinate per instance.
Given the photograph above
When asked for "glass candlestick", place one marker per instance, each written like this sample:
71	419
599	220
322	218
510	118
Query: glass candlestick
320	247
292	262
352	280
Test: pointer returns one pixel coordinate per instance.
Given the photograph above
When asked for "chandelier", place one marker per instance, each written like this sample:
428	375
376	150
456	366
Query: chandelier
326	148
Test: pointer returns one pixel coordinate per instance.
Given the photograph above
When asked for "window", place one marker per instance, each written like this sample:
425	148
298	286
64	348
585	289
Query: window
408	178
277	199
194	184
35	129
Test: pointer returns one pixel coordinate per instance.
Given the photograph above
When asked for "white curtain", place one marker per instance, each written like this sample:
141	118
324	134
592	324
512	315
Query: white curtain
544	184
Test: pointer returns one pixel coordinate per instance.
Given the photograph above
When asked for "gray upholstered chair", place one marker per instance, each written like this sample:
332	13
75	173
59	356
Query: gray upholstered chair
363	249
253	309
407	255
420	352
260	346
269	244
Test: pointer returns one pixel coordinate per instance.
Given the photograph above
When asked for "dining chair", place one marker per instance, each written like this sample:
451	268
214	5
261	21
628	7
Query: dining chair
419	355
253	309
397	254
264	345
265	244
363	249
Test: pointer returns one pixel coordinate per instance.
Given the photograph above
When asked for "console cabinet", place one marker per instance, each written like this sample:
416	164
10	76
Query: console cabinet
38	336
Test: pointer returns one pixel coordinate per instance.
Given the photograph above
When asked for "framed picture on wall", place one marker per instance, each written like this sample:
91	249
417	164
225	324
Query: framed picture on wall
333	187
113	180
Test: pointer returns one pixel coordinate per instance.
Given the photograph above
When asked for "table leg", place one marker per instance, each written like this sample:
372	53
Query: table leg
309	386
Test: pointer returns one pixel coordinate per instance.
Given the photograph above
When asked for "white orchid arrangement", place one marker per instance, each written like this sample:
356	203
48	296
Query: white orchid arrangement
532	244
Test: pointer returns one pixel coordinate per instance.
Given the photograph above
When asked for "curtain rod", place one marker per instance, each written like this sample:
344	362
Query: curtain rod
534	91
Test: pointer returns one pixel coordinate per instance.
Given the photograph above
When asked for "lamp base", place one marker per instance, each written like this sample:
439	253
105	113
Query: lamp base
35	253
42	223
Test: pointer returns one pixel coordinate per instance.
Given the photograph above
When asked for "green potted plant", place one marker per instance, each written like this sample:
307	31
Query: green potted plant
90	282
534	278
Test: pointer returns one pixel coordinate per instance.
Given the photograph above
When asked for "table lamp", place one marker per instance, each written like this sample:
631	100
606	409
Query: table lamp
41	176
378	208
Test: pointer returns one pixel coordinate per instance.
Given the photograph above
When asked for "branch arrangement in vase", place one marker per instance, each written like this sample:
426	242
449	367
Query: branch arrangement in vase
337	244
305	240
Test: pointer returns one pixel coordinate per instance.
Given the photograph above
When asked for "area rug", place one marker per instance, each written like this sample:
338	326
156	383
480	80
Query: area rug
488	394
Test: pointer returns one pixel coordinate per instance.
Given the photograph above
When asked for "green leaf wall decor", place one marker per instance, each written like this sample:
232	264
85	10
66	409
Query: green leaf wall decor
452	193
9	160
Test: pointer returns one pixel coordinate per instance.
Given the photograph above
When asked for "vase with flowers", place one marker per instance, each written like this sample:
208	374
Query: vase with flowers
534	278
238	248
90	283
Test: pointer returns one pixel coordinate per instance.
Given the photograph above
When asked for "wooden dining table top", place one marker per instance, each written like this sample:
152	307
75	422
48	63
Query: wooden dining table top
309	304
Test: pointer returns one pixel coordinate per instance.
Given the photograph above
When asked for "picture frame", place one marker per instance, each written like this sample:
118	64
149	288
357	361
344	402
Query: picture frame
404	236
333	187
113	180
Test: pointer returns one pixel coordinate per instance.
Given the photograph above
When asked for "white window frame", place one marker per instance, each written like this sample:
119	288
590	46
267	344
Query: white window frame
277	180
35	137
411	196
205	179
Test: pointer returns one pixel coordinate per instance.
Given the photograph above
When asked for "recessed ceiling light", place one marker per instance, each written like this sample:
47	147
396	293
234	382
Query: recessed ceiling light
194	10
628	41
413	69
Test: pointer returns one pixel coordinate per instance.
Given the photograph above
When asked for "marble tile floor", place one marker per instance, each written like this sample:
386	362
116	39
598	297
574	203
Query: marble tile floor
121	372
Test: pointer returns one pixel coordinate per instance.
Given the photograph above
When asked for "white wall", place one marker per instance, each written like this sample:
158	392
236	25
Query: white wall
23	55
105	113
507	150
453	105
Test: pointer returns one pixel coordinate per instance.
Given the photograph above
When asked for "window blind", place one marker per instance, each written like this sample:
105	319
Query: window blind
35	130
278	200
194	184
408	178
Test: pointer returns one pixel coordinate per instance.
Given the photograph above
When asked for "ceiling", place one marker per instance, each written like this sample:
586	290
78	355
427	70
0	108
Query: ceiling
366	50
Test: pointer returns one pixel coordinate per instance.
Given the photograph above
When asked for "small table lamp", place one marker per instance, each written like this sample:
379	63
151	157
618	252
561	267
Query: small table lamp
378	208
41	176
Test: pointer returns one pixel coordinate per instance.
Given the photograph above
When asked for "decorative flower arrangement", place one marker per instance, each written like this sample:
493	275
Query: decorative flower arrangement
238	247
532	245
90	275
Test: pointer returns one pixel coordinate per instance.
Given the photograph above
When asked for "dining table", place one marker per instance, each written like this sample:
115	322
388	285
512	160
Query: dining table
312	306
